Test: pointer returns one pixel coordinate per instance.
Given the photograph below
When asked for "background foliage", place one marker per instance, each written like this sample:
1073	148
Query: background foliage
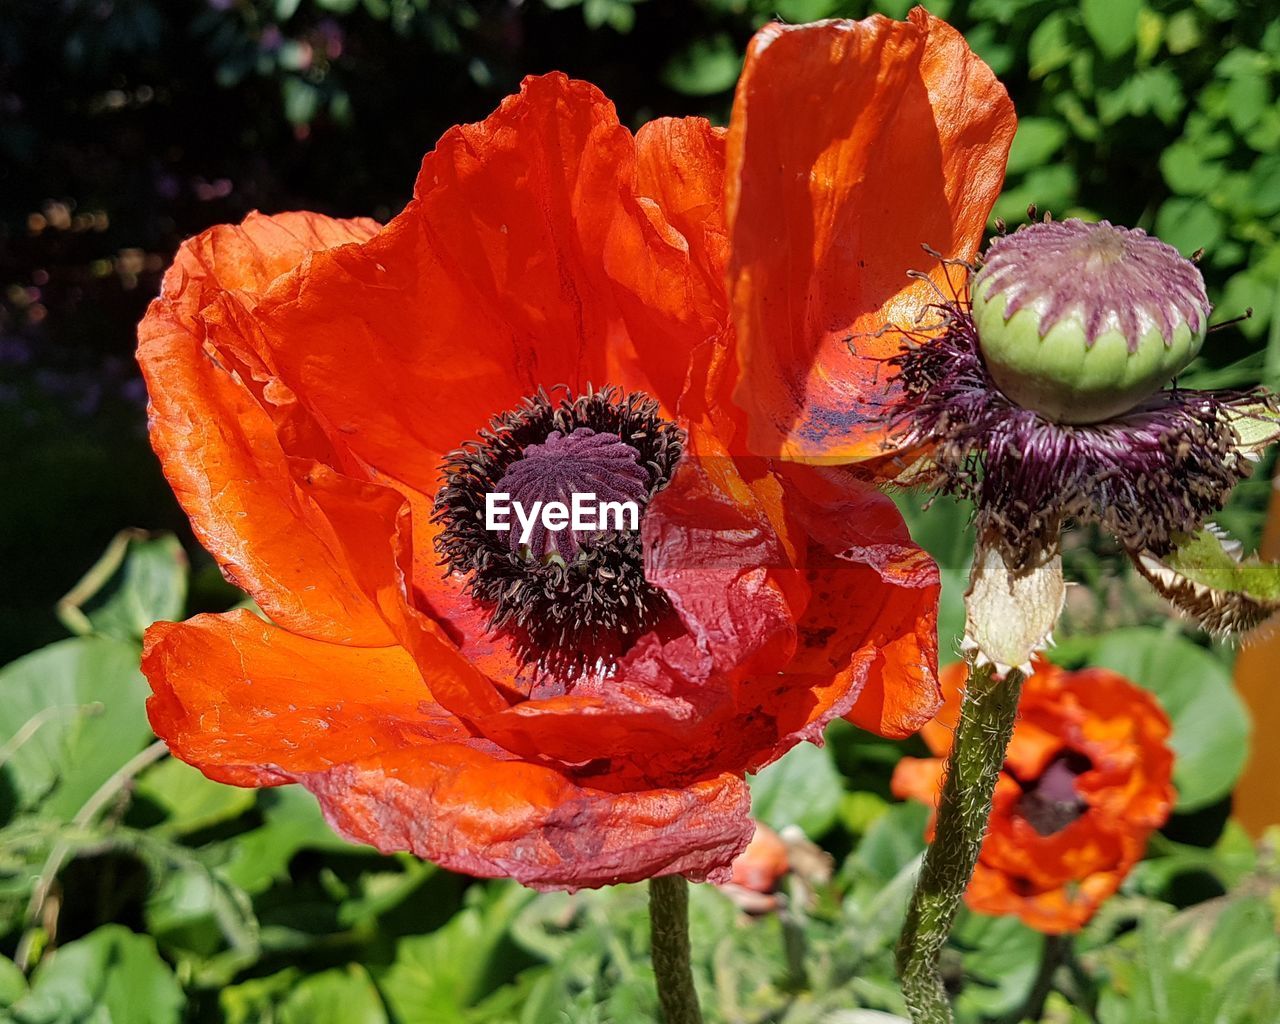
126	125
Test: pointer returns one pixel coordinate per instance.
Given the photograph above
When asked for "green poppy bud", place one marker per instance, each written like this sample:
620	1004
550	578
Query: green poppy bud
1082	322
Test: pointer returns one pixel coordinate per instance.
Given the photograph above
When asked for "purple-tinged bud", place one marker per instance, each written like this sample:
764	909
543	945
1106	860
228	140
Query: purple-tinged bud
1082	322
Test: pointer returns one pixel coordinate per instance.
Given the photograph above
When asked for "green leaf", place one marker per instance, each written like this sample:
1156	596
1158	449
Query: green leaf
1252	290
1182	32
1210	724
1156	91
1050	188
1213	962
1150	34
111	976
1248	93
257	1000
1001	960
1257	426
1050	46
704	67
993	46
293	822
13	983
342	996
619	15
894	840
436	976
1113	24
1038	138
802	788
195	915
301	100
797	11
70	715
1189	224
1207	578
1264	180
1187	169
189	800
139	580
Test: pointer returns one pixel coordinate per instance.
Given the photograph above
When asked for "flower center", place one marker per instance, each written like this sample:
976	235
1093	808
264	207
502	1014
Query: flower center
585	462
1051	803
567	589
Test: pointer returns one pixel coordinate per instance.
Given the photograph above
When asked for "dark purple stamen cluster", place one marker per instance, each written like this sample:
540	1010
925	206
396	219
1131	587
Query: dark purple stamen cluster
566	602
1146	476
583	462
1051	802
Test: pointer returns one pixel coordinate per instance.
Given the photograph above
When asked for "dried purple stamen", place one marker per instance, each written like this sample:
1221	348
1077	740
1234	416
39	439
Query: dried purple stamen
567	600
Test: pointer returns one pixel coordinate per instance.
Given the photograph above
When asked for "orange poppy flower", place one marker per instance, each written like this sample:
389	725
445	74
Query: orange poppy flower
1085	783
332	401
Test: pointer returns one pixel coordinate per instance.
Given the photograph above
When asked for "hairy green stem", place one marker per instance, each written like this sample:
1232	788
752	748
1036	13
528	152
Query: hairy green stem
977	755
669	941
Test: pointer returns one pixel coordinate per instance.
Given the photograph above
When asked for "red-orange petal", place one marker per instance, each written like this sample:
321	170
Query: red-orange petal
246	257
873	592
252	704
528	259
253	504
680	165
851	145
473	809
1056	882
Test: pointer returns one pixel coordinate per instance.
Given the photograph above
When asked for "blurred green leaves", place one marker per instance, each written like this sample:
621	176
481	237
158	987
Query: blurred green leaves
705	67
1215	962
801	788
1112	24
138	580
112	976
70	715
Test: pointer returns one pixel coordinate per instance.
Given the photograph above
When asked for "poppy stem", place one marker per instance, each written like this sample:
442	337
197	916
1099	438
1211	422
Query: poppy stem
977	755
669	942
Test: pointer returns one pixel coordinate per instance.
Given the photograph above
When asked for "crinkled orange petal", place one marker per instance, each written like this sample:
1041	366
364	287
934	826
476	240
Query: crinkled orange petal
251	503
771	650
247	257
1054	912
476	810
680	166
676	704
873	590
528	259
851	145
252	704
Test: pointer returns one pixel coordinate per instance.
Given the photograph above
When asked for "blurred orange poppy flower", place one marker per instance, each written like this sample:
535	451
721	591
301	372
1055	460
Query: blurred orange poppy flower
1085	783
331	400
